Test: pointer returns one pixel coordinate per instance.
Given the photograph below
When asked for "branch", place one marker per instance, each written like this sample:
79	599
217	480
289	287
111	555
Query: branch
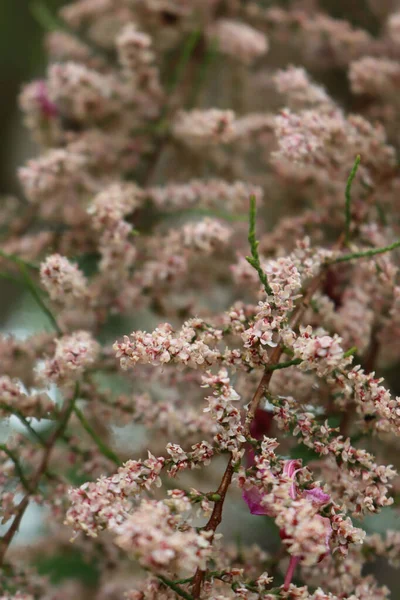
34	484
18	469
33	290
348	198
18	261
254	259
185	56
284	365
24	421
104	449
175	587
51	22
214	521
365	253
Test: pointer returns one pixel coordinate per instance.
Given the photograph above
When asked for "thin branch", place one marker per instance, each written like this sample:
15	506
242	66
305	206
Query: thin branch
348	198
184	58
210	54
6	540
214	521
17	260
10	278
25	422
162	125
175	587
18	469
104	449
51	22
36	295
284	365
365	253
254	259
350	352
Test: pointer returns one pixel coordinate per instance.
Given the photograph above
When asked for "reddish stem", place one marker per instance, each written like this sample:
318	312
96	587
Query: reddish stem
294	560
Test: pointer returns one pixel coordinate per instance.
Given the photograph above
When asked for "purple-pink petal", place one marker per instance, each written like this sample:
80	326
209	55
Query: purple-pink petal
290	467
253	498
317	496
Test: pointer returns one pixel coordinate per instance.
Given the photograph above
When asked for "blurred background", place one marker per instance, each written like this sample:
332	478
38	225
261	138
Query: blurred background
22	58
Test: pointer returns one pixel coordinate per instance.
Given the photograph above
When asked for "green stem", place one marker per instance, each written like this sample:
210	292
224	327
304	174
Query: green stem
104	449
365	253
8	537
284	365
350	352
10	278
254	259
210	54
348	198
17	465
24	421
33	290
184	59
17	260
51	22
175	587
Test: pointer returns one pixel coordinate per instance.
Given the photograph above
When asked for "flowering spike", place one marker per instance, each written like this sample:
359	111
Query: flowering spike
348	197
254	259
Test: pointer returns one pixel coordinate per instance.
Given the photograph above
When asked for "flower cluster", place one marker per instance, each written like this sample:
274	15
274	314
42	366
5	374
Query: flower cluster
214	205
106	503
160	542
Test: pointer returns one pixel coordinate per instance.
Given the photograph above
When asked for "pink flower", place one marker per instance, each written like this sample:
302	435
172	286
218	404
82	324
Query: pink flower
253	498
290	469
317	496
306	533
48	108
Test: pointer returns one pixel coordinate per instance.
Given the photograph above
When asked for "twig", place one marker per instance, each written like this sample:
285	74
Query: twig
17	465
365	253
51	22
104	449
202	73
348	198
175	587
185	56
24	421
17	260
284	365
168	111
254	259
9	277
214	521
33	290
23	505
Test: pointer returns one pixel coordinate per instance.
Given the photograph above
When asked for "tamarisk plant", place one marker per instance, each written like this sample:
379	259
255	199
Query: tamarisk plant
175	378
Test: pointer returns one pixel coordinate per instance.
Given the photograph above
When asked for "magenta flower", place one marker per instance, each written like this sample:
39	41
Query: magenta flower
317	496
255	500
290	469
